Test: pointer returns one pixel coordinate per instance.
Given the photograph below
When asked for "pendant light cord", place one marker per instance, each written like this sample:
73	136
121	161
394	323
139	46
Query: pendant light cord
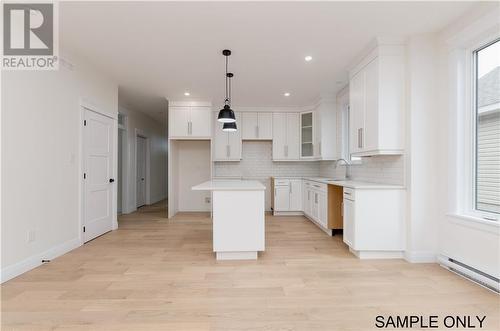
226	101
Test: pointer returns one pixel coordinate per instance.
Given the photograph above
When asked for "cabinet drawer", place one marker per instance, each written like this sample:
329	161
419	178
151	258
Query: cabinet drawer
281	182
348	193
319	187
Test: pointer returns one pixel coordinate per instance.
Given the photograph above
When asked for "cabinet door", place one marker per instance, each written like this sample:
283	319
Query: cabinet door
357	111
220	143
282	198
295	195
306	135
201	120
323	210
315	205
234	141
370	131
348	235
178	121
317	134
249	127
279	136
265	126
293	136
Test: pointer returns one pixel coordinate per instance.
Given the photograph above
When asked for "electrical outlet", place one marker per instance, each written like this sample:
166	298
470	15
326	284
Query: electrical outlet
207	200
31	236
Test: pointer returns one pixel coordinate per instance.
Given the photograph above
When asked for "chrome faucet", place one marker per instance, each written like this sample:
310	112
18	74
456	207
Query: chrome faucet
347	168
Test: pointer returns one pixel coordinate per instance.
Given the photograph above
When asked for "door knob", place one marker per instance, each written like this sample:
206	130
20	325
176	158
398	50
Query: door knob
111	180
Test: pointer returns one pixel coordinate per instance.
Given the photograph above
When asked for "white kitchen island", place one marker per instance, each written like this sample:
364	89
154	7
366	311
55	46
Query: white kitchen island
238	214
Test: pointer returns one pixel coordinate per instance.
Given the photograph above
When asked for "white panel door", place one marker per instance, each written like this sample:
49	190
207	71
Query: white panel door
249	127
295	194
279	136
282	198
201	121
265	124
348	235
178	121
141	171
293	136
98	182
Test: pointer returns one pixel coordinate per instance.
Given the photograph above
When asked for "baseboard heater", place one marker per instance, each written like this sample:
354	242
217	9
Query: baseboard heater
470	273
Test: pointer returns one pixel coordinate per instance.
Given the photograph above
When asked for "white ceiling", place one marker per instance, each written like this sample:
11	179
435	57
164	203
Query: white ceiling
167	48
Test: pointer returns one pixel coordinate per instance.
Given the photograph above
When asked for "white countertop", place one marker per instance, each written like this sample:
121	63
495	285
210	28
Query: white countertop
229	185
349	183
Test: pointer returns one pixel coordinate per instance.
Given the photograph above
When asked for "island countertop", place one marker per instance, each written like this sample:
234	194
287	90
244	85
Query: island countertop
229	185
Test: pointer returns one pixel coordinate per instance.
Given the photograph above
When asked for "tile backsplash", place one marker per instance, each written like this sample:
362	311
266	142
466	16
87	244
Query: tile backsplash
257	163
387	169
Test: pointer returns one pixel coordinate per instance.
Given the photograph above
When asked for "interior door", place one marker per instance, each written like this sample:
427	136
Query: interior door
141	171
98	169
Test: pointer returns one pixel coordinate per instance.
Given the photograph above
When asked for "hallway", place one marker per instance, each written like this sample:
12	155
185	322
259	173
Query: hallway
159	274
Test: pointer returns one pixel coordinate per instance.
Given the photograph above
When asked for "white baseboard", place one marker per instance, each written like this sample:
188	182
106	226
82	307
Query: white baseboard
420	256
367	255
32	262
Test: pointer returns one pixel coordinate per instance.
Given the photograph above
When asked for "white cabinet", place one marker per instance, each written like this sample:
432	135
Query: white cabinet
257	126
374	222
325	130
189	122
315	202
377	90
226	145
287	195
307	135
286	136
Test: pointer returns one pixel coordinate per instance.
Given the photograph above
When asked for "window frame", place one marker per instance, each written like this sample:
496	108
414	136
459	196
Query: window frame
472	117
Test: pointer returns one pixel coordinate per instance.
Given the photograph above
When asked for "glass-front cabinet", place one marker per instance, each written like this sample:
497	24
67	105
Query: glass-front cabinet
306	134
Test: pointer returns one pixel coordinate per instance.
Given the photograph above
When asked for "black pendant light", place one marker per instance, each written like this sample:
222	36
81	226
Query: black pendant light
226	114
230	126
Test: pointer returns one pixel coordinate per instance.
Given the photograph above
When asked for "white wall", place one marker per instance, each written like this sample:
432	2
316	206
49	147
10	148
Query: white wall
41	161
193	167
156	132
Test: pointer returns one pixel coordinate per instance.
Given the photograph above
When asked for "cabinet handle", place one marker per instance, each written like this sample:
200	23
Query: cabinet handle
256	131
359	138
188	128
290	186
315	197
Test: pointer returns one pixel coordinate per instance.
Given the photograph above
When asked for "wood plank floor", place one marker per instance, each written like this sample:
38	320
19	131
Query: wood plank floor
159	274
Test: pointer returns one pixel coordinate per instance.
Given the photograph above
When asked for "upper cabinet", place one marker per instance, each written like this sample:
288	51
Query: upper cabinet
226	145
286	136
325	130
307	135
189	122
376	97
257	126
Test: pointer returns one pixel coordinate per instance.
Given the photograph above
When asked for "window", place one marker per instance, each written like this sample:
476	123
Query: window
487	130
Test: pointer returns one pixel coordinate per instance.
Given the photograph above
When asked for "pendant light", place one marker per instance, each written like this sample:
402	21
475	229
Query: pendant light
226	114
230	126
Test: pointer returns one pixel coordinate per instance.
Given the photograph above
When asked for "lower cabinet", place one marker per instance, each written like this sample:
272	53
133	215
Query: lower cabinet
315	202
287	196
374	222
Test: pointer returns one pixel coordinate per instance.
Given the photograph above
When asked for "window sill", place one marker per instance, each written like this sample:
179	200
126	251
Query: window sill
475	222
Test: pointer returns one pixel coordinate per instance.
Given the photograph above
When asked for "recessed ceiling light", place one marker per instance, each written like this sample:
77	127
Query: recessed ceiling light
187	94
286	94
308	58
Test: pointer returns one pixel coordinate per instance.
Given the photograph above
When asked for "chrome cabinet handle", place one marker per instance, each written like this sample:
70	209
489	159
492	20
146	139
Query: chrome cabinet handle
315	197
359	138
188	128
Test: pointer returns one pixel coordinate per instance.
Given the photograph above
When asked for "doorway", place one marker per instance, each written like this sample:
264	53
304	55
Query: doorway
142	170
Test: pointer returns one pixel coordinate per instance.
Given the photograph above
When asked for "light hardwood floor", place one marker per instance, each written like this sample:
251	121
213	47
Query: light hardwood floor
159	274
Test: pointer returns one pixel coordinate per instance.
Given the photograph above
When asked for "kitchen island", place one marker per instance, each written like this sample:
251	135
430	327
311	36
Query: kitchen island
238	214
